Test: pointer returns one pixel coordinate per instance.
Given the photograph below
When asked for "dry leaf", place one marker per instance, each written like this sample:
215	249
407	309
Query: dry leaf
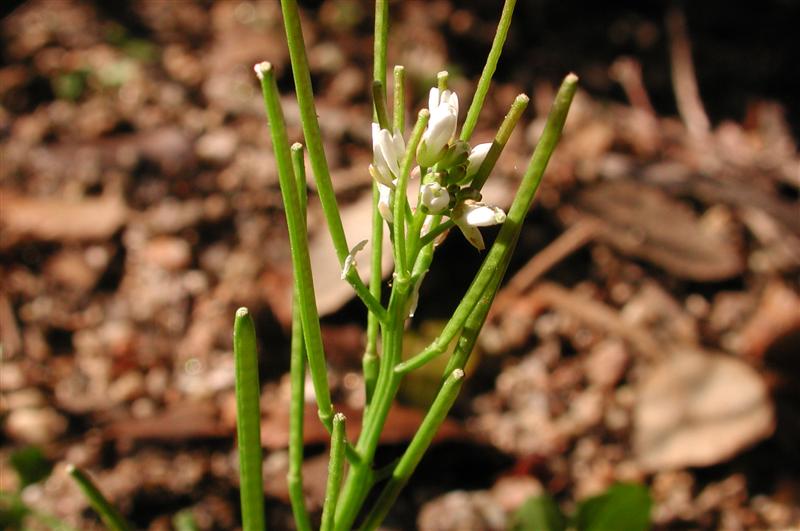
698	409
643	222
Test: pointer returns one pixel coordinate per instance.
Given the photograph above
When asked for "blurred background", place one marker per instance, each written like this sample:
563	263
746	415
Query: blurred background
648	331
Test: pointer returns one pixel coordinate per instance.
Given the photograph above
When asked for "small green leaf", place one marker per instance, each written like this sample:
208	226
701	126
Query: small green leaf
539	513
184	521
30	465
623	507
12	511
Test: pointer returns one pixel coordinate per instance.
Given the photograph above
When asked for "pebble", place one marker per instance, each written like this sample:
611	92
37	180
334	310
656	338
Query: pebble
35	426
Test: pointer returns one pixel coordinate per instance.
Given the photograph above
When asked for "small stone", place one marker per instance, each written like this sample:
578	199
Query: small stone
35	426
127	387
218	146
173	254
511	492
462	511
606	363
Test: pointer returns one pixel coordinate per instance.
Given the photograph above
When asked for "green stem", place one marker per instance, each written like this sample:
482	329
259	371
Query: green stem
316	152
500	140
488	70
511	227
370	360
413	454
381	40
400	198
399	110
248	421
298	241
297	372
435	232
379	101
358	481
335	469
107	512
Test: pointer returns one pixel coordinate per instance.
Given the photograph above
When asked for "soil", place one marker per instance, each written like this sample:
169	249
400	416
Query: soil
647	331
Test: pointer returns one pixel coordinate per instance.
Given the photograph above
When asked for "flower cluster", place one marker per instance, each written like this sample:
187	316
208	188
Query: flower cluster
447	166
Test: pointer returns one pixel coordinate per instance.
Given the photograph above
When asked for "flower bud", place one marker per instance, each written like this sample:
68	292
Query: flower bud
434	197
441	127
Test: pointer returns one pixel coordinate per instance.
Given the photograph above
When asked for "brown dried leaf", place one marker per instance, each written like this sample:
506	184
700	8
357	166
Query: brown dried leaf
57	219
698	409
643	222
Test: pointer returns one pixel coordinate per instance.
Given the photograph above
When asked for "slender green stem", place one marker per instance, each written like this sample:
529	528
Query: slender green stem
414	229
511	227
474	322
500	140
488	70
335	469
298	241
107	512
381	40
359	478
248	421
316	153
297	372
299	171
435	232
370	360
379	101
413	454
399	111
400	199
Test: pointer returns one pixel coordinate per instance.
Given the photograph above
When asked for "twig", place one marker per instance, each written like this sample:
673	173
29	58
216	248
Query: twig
684	78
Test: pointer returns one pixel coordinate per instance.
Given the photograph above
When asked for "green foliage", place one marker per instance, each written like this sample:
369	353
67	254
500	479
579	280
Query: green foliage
623	507
31	466
70	85
540	513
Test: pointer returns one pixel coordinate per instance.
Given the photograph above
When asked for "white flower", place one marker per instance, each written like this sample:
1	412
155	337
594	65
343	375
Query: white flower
384	205
350	261
470	215
441	128
435	197
476	157
388	150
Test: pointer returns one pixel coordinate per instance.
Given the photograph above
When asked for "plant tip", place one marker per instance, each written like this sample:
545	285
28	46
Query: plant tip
572	77
262	68
399	68
339	417
522	98
297	146
71	469
458	374
242	312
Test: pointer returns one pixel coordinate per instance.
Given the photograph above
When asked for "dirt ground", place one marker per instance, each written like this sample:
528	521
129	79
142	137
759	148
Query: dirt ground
648	331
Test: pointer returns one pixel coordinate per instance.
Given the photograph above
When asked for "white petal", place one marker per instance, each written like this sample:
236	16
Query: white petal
476	157
473	235
384	207
433	99
350	261
481	215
